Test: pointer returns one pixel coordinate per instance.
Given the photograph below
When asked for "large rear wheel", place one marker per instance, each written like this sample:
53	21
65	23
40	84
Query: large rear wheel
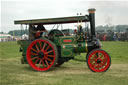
42	54
98	60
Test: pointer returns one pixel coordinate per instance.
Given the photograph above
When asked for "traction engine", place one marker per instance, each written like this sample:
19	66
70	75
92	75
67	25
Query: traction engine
46	51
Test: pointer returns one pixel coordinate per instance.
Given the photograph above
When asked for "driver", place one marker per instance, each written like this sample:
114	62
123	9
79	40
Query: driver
36	32
40	30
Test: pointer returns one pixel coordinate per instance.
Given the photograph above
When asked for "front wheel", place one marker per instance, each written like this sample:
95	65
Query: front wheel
98	60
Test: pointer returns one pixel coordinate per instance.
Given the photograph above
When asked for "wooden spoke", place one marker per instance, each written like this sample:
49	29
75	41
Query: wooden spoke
34	58
50	51
40	62
95	57
93	65
40	45
97	66
104	61
50	55
34	53
43	63
37	48
46	62
91	61
102	64
101	55
49	59
98	55
47	48
43	47
37	61
34	50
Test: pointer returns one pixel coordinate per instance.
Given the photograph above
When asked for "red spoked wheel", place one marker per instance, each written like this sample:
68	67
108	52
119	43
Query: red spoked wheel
42	54
98	60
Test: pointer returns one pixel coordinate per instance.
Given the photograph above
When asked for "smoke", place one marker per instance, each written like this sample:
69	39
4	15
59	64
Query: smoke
110	12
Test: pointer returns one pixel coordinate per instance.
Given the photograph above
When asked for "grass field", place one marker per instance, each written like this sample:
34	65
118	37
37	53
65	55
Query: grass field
12	72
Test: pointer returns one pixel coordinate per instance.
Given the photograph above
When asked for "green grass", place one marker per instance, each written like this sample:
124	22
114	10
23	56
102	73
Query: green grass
9	50
117	50
12	72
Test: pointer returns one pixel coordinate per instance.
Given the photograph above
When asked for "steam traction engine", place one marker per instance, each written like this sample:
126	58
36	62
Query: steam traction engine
54	49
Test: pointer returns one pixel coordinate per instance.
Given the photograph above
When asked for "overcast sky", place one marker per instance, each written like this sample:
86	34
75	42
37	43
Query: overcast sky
114	12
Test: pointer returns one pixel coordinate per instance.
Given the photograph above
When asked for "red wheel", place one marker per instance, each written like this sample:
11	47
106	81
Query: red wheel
98	60
42	54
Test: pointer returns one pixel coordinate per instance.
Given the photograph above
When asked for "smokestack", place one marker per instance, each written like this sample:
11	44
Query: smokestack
92	21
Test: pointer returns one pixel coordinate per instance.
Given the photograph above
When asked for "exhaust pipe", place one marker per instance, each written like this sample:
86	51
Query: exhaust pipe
92	22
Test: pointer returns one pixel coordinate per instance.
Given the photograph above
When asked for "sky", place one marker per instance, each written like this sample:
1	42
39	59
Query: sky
111	12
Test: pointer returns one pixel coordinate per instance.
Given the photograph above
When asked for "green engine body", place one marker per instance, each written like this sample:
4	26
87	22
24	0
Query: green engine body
68	46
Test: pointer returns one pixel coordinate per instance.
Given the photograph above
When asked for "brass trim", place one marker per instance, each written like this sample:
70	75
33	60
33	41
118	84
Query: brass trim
91	10
68	44
86	46
67	36
63	46
74	45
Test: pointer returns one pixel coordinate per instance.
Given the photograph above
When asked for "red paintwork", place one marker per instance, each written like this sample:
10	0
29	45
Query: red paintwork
41	64
104	58
67	40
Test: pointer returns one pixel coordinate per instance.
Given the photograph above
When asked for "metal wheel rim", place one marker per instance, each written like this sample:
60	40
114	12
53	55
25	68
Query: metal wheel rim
36	62
103	57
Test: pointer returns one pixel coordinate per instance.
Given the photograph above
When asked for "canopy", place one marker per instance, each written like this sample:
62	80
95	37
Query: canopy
61	20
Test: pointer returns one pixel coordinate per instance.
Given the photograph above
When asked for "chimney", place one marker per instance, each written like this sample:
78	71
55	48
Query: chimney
92	21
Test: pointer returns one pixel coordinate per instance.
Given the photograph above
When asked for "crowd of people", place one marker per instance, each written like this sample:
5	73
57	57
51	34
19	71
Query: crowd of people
112	36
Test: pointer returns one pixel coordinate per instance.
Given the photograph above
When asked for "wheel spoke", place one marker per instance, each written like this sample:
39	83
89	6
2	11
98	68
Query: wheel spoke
43	47
104	61
99	66
34	58
40	45
47	48
37	48
95	57
43	63
50	51
93	64
96	66
34	50
50	55
37	60
97	54
102	64
34	53
49	59
101	55
46	62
